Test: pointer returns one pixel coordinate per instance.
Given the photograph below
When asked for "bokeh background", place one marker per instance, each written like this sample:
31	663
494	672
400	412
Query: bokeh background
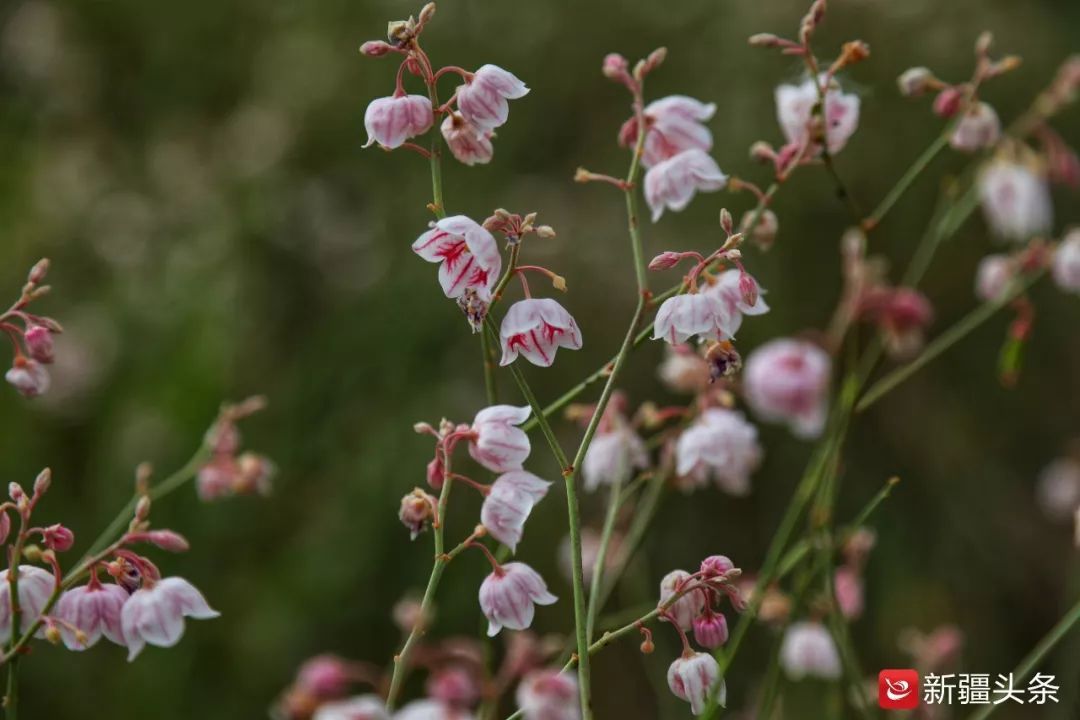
195	172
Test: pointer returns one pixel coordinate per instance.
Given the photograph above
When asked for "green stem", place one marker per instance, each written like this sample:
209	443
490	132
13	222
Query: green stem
614	502
907	180
11	697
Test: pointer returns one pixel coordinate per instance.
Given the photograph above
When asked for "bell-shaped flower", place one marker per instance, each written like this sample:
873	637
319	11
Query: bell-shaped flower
1015	199
468	143
508	596
482	100
1058	488
721	444
695	677
787	380
498	444
508	503
155	613
1065	267
35	588
613	456
536	328
361	707
467	254
431	710
674	124
687	607
29	377
808	650
710	630
993	276
94	610
740	294
549	695
683	316
795	106
979	128
672	183
390	121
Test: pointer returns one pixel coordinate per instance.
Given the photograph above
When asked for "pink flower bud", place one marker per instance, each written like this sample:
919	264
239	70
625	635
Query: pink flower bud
15	492
1065	268
549	695
694	677
672	183
498	444
507	597
436	471
686	608
615	66
915	81
787	380
376	48
483	98
711	630
94	610
324	677
58	538
166	540
508	504
29	377
665	260
979	128
42	482
808	650
468	144
948	101
39	342
454	686
390	121
417	511
716	566
536	328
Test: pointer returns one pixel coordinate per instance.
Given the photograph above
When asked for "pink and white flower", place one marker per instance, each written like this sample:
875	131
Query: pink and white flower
431	710
536	328
468	143
721	444
993	276
155	613
695	677
735	290
979	128
508	596
29	377
467	254
787	380
498	444
848	587
549	695
808	650
684	316
35	588
39	343
94	609
390	121
613	456
710	630
672	183
794	110
686	608
1066	263
482	100
1058	488
361	707
1016	200
508	503
673	124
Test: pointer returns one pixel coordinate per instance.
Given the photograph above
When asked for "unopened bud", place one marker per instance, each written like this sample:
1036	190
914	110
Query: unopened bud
376	48
38	272
647	647
983	43
168	540
558	282
33	553
15	491
427	12
545	231
615	66
39	343
915	81
142	508
948	102
58	538
143	472
42	482
665	260
762	151
656	59
726	222
52	635
767	40
417	511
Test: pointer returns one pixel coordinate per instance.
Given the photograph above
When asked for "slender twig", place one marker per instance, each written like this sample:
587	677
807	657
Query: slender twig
599	564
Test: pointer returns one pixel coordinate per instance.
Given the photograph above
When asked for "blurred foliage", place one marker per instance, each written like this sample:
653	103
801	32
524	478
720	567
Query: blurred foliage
195	172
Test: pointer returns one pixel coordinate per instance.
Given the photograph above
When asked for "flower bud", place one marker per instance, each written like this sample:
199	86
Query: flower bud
948	101
688	606
764	233
435	472
42	482
324	677
58	538
426	13
711	630
915	81
15	492
142	508
615	66
39	343
38	272
168	540
375	48
52	634
726	222
716	566
665	260
417	511
766	40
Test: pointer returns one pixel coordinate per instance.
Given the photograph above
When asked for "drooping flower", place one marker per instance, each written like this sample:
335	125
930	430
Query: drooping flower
794	110
390	121
549	695
613	456
1058	488
979	128
686	608
325	676
361	707
1015	199
993	276
710	629
1066	264
508	596
848	587
732	288
94	610
35	588
39	343
455	685
467	254
482	100
787	380
683	316
155	613
508	504
808	650
722	445
536	328
499	445
901	313
683	370
672	183
468	143
431	710
673	124
29	377
695	677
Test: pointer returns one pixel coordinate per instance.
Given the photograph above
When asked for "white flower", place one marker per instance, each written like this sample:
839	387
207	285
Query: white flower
549	695
35	588
508	504
993	276
1016	200
499	445
787	380
728	291
686	608
1066	264
694	678
672	183
684	316
508	596
482	100
155	613
613	456
675	124
93	610
808	650
720	444
361	707
979	128
467	254
794	109
536	329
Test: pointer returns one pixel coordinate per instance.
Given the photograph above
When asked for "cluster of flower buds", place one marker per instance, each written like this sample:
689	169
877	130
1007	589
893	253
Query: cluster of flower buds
477	107
689	603
31	337
229	471
815	115
496	442
977	125
139	607
321	689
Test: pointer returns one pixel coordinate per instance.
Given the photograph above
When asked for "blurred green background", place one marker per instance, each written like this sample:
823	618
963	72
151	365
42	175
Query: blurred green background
195	172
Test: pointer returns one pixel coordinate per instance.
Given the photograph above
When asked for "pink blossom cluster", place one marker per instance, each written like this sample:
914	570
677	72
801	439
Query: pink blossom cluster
31	337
